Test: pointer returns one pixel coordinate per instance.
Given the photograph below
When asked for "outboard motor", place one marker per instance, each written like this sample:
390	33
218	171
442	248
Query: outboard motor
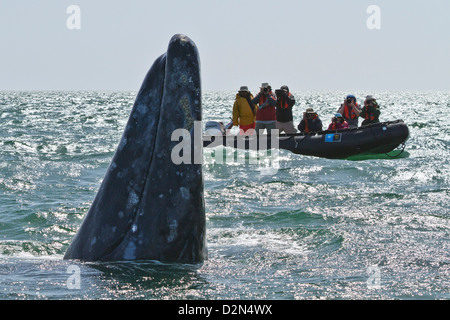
214	128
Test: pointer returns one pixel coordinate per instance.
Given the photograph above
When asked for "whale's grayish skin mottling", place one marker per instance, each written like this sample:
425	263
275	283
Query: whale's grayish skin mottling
147	207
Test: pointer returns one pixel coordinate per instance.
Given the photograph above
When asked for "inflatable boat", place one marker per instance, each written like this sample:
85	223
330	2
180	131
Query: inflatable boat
379	138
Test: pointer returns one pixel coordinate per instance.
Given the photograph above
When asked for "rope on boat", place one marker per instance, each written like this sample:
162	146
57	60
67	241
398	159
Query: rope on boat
392	157
397	155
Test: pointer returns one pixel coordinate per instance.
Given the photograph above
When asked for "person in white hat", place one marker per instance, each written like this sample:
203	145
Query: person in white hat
370	112
244	111
266	114
310	122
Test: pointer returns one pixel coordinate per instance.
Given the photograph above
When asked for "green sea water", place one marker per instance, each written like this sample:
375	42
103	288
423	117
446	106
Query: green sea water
372	228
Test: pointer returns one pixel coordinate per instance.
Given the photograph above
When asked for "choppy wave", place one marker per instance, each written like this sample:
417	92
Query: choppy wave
312	230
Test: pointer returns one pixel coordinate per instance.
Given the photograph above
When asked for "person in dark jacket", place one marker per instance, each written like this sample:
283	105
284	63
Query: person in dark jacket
370	112
285	102
310	122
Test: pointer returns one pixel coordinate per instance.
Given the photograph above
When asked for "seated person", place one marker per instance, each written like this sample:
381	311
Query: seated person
338	122
310	122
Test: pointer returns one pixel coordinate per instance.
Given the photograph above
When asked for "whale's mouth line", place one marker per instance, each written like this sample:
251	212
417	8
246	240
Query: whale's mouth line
134	215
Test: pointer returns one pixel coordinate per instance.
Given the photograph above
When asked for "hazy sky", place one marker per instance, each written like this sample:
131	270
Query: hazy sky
308	45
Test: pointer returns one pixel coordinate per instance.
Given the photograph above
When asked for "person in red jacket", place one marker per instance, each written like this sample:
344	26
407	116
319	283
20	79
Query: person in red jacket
266	117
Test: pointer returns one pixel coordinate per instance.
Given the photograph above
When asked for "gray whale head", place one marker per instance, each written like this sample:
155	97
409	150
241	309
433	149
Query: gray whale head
147	207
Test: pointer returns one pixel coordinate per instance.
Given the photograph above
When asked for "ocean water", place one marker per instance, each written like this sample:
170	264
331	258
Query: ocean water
375	228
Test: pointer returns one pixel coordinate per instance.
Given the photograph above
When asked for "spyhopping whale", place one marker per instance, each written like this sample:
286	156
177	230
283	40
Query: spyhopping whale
147	207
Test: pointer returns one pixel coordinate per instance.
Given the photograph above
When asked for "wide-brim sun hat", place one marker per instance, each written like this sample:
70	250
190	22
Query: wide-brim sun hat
244	89
310	110
264	85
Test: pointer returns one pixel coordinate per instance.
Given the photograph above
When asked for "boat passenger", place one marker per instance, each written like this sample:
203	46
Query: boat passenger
244	111
338	122
266	114
350	111
310	122
285	102
370	112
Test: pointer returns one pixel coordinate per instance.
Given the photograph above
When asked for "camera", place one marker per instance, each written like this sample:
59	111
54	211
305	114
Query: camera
266	90
280	93
349	100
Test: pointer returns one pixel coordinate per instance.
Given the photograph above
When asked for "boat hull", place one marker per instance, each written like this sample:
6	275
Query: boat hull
377	138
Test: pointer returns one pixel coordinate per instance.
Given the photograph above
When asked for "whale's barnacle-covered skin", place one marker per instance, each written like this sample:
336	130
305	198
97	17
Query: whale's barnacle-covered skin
148	207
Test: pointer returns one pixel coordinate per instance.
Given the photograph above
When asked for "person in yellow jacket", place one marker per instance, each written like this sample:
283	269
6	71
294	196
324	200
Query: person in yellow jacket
244	111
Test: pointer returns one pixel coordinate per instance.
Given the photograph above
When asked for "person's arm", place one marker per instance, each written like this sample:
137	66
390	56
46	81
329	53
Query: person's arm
236	113
272	101
301	126
290	101
362	114
318	124
355	109
376	112
255	100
